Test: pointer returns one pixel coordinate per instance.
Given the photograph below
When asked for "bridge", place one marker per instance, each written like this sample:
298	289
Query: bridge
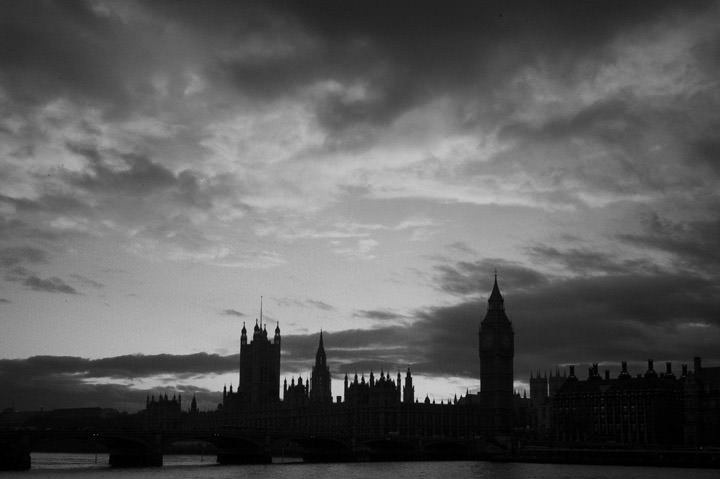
142	448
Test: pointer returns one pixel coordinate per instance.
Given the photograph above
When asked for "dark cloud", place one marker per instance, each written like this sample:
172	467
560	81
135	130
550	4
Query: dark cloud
468	278
50	203
129	176
15	229
706	152
233	312
586	261
461	247
64	391
401	53
145	365
610	120
65	381
304	303
48	285
56	49
140	175
123	367
379	314
693	243
20	255
42	58
87	281
321	305
13	261
5	301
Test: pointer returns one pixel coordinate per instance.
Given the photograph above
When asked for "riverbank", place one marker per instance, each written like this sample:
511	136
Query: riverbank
690	458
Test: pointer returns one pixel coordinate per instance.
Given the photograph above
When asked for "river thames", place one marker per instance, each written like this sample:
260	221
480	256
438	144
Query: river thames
88	466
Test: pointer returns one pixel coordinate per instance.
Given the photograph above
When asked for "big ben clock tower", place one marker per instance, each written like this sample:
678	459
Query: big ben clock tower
497	349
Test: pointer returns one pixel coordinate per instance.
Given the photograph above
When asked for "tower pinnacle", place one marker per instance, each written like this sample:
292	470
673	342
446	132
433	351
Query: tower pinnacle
496	301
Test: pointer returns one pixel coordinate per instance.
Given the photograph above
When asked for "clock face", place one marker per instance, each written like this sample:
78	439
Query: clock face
487	341
506	341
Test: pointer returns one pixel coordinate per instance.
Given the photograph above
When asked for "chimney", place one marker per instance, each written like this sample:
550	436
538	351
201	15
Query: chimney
697	364
607	375
668	368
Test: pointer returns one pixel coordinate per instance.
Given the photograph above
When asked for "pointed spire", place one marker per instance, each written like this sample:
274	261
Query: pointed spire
320	357
496	301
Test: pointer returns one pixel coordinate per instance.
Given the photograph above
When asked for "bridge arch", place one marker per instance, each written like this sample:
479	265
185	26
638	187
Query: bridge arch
390	449
445	450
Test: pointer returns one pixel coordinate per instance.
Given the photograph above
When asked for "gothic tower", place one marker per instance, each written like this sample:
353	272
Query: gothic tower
320	379
259	366
496	347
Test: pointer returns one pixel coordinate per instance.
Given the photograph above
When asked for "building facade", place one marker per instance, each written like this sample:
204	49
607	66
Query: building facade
649	409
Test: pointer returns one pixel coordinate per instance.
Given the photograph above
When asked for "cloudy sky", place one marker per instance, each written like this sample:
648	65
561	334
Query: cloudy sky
363	166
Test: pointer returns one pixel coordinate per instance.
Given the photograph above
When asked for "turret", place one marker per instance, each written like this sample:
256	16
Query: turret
624	374
276	339
409	389
650	373
399	388
571	376
243	335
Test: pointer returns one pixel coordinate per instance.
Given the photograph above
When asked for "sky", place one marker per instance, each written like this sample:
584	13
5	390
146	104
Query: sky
365	167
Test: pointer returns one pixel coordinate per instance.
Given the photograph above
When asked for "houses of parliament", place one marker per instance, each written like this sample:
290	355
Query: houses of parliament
375	405
652	408
601	418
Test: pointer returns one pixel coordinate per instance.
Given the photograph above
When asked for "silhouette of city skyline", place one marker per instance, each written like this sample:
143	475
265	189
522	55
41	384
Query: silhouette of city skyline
649	410
362	168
